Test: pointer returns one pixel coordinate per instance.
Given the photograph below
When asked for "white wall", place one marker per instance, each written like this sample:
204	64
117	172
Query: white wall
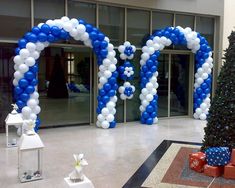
229	21
209	7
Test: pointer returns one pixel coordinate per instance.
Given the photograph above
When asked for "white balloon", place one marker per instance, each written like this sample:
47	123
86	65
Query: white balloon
202	116
37	110
35	55
74	32
142	108
149	86
106	62
30	46
110	117
121	89
85	36
149	43
110	105
15	82
16	67
105	111
203	106
39	46
154	92
50	23
207	100
30	61
195	115
18	60
103	80
205	66
149	97
151	50
34	95
74	22
32	103
127	43
100	117
114	99
110	47
64	19
33	116
155	120
198	111
26	111
68	26
23	68
204	76
105	124
121	48
98	123
113	111
107	74
112	67
200	71
145	103
18	75
123	56
81	29
24	53
127	84
145	56
122	96
199	80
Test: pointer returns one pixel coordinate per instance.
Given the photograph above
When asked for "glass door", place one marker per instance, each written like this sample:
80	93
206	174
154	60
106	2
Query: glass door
179	84
65	86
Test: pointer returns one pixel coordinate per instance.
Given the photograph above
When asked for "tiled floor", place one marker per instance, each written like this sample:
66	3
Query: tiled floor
113	155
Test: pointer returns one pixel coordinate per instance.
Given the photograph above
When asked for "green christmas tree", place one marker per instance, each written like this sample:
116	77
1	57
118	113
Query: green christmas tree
220	129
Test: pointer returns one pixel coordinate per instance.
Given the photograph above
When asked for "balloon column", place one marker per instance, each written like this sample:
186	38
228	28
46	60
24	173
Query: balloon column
26	67
126	71
202	87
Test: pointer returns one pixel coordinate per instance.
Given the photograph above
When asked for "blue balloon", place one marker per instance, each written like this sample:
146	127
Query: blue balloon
149	63
96	43
81	21
149	109
27	35
93	35
115	74
23	83
20	103
30	89
195	105
17	51
32	38
105	99
42	37
142	120
195	95
98	110
89	28
199	90
24	97
55	30
102	92
104	52
34	82
149	121
112	80
34	68
18	90
107	87
203	96
104	44
115	87
208	81
111	93
153	114
205	55
199	101
112	124
51	38
63	34
45	28
149	74
207	91
204	86
36	30
29	75
101	36
145	115
153	69
22	43
101	104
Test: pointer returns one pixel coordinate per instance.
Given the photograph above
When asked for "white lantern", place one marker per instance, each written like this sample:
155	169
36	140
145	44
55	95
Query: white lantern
30	157
13	123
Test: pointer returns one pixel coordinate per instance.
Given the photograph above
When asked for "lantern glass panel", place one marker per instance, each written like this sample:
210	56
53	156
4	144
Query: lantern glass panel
30	165
13	137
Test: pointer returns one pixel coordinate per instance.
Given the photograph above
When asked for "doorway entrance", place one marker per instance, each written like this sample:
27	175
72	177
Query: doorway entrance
175	84
74	107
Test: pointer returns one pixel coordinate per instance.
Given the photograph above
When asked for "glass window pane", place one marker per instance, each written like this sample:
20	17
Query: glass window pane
179	84
162	91
132	105
6	76
205	26
64	96
45	10
184	21
137	26
85	11
161	20
14	18
111	22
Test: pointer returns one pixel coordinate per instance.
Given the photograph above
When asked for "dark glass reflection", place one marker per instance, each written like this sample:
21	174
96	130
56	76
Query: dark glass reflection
179	90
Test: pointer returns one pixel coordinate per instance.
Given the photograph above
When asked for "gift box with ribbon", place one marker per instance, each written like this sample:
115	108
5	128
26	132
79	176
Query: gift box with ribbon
213	171
217	156
197	161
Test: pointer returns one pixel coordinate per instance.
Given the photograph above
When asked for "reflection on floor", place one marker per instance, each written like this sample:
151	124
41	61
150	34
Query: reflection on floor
72	110
113	155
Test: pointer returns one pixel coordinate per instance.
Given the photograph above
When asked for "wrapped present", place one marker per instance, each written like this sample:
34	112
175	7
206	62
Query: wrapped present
229	171
197	161
218	156
213	171
233	157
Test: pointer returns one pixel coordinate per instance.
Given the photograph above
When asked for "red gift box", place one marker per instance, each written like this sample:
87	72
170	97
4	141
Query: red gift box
214	171
233	157
197	161
229	171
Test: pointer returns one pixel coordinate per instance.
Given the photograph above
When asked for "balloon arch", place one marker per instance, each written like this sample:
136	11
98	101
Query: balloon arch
30	46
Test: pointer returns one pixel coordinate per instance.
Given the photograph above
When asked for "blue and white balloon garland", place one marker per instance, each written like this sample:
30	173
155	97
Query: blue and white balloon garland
126	71
26	67
199	46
